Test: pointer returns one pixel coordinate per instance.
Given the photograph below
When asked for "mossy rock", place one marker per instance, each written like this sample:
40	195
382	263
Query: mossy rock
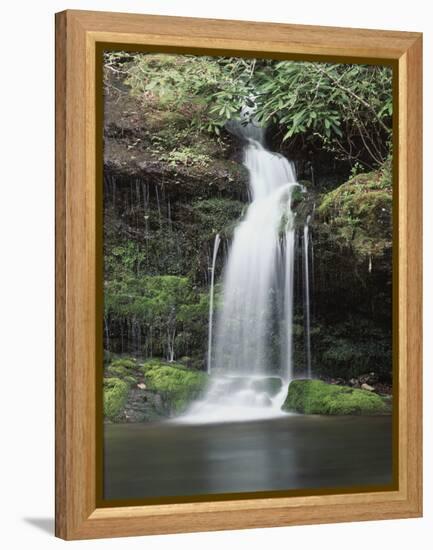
270	385
114	397
357	214
317	397
177	385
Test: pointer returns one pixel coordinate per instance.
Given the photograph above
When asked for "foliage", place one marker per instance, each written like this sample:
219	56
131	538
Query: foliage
210	90
347	108
317	397
166	307
124	363
131	380
126	257
348	344
118	372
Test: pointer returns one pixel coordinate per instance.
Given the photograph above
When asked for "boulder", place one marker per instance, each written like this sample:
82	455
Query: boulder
176	385
270	385
317	397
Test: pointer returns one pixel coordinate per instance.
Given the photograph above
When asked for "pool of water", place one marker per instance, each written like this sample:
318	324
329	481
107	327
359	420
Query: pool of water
292	452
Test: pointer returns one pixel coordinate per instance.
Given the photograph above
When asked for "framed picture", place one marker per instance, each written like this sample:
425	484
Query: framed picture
238	274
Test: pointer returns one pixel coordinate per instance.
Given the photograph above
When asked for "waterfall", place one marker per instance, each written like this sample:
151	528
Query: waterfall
258	276
307	323
244	322
211	296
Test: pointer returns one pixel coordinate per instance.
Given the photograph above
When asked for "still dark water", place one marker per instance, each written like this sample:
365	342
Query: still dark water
292	452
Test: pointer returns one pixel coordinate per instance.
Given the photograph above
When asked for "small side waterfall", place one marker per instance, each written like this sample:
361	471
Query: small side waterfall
307	321
287	325
211	300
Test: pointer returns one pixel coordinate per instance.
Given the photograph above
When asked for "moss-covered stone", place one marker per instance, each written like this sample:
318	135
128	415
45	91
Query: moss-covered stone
358	213
317	397
177	385
115	396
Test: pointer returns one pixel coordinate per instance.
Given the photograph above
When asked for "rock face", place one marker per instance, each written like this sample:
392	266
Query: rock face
168	190
144	392
317	397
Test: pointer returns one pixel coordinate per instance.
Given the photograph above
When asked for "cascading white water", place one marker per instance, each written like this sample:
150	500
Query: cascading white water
244	322
211	300
259	270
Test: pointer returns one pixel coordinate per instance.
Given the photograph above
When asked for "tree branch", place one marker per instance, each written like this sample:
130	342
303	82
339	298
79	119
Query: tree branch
353	94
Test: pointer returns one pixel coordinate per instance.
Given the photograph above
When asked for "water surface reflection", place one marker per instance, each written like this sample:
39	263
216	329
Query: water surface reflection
292	452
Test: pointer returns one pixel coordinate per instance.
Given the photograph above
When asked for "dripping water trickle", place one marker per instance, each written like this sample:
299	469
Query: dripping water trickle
211	301
307	321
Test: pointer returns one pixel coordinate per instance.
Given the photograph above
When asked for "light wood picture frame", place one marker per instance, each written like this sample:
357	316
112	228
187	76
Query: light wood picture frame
80	35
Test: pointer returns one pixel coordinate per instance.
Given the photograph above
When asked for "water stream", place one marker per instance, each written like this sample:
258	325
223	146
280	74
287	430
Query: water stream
257	279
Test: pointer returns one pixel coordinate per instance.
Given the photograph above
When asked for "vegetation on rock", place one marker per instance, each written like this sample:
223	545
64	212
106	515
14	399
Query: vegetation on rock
149	391
357	214
115	395
177	385
318	397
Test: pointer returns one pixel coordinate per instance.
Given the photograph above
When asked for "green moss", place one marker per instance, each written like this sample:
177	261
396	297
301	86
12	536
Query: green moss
125	362
115	395
358	213
216	215
317	397
186	156
177	385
